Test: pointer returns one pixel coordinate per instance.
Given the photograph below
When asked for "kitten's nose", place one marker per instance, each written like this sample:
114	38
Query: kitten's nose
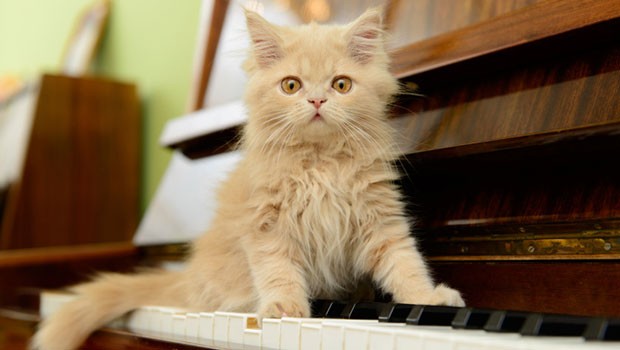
317	102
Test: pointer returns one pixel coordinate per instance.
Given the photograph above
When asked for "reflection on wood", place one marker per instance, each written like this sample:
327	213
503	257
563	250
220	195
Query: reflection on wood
551	96
412	21
516	37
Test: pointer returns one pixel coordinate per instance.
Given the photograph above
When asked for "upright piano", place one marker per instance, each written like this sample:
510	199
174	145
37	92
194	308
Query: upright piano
509	123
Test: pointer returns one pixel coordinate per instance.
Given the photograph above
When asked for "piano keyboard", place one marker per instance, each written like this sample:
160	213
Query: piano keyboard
367	326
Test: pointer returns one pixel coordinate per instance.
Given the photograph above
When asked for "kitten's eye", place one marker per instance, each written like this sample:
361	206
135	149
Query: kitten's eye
342	84
290	85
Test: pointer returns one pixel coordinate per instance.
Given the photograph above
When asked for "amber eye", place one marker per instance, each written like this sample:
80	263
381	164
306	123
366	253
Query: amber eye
290	85
342	84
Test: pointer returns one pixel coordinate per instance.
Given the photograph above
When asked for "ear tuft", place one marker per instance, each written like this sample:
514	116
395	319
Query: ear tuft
266	44
366	35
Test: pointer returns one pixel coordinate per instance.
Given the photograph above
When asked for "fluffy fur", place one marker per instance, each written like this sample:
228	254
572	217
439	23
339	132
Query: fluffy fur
310	212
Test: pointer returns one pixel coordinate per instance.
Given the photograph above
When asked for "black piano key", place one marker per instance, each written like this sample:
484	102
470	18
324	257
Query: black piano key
555	325
603	329
470	318
362	311
425	315
505	321
334	309
319	307
395	313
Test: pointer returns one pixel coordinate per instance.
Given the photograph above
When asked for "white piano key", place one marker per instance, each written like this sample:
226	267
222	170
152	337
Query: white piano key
252	339
414	337
290	331
375	335
178	326
205	328
382	338
485	341
438	341
51	301
435	337
271	333
161	318
332	332
166	319
462	339
192	324
596	345
355	338
220	329
310	336
138	320
146	318
498	344
156	320
408	340
553	343
237	324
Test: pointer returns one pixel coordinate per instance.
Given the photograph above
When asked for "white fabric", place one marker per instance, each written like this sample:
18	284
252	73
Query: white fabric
185	202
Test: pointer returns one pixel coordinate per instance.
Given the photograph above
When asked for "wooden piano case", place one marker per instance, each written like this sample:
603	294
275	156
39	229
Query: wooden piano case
512	156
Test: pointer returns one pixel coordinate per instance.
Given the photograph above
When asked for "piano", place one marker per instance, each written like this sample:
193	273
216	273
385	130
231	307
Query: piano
509	124
361	325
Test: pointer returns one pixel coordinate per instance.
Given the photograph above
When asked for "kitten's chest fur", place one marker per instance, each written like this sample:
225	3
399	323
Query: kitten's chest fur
322	207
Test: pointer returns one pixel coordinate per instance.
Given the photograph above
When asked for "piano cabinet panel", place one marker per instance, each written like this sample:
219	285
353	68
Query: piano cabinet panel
525	153
575	288
550	201
512	106
569	181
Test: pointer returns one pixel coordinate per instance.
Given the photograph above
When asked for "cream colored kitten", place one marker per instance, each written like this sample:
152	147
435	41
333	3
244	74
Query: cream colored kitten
310	211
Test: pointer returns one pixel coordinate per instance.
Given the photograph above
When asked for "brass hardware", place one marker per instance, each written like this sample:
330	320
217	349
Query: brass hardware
540	242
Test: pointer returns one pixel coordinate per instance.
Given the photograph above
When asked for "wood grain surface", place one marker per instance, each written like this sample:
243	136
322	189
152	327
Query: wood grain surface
80	182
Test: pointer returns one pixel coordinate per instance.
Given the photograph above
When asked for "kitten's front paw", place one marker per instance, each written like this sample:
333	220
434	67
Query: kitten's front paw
285	308
440	295
444	295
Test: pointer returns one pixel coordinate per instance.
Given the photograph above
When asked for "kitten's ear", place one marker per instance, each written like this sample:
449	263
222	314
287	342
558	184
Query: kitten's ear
266	44
365	35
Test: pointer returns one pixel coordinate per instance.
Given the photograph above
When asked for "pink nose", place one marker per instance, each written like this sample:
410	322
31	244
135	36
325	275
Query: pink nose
317	102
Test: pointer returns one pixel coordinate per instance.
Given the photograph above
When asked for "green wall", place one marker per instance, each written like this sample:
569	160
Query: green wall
148	42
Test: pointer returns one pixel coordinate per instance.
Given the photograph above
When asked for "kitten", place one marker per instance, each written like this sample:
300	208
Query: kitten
311	210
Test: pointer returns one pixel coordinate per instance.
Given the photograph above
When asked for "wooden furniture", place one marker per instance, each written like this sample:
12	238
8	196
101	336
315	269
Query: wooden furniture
510	156
80	178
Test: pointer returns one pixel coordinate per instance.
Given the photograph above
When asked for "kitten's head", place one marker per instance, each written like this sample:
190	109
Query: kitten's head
318	83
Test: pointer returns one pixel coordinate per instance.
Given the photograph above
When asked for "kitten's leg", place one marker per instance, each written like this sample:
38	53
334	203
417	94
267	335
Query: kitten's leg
279	283
398	267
